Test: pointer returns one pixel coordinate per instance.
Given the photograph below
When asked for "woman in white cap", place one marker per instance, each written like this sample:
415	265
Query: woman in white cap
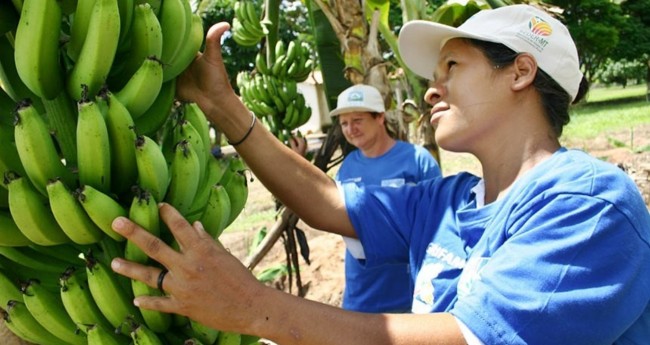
379	160
550	246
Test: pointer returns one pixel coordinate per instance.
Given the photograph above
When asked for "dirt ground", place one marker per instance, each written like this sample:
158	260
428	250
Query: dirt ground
323	277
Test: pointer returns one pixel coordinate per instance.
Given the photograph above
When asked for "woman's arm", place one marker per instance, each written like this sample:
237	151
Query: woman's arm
301	186
209	285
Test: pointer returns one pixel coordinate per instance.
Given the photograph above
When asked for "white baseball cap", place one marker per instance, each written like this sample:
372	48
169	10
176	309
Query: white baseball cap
522	28
359	98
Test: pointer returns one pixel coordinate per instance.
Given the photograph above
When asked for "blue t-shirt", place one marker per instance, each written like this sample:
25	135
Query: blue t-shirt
563	258
386	288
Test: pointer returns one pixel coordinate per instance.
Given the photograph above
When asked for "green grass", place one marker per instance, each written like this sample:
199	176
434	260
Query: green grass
604	94
589	121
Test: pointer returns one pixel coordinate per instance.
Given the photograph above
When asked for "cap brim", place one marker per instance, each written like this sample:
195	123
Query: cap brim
420	42
344	110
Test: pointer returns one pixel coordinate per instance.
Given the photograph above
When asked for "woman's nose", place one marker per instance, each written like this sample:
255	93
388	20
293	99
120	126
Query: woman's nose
433	95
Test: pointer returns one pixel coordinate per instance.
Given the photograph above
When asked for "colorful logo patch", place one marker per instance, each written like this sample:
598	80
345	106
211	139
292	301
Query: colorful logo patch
539	27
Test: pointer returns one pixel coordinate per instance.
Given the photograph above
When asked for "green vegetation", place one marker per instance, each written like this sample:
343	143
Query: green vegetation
607	110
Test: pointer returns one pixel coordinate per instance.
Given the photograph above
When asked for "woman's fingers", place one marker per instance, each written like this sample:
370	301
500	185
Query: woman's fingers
183	232
153	246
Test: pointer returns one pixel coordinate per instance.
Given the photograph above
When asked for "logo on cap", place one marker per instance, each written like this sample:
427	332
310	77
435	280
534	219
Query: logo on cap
355	96
540	27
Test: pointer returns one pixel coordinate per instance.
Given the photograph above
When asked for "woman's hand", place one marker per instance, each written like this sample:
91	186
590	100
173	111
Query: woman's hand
204	282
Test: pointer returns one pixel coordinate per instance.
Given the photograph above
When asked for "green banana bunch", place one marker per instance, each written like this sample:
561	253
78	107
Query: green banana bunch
246	27
21	322
37	47
21	273
113	300
98	50
31	213
235	183
78	302
37	151
34	259
214	172
48	310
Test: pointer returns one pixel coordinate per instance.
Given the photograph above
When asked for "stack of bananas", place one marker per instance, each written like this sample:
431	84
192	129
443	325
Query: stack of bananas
90	130
247	30
271	92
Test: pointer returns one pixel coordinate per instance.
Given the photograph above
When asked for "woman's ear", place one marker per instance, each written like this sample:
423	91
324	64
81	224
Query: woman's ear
525	68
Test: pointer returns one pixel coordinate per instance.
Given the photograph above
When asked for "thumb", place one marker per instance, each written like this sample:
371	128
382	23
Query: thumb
212	50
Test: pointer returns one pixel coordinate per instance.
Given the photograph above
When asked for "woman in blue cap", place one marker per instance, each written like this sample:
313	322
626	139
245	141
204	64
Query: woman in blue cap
549	246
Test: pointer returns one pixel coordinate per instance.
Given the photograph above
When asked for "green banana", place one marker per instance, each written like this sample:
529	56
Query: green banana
48	310
93	146
31	214
144	212
260	63
175	21
10	234
151	121
237	189
156	321
142	335
78	302
146	40
21	273
33	259
37	150
194	115
98	51
153	173
188	51
242	35
185	130
113	300
155	5
100	335
215	169
9	158
127	12
121	134
252	18
185	172
9	78
37	47
79	27
143	87
102	209
228	338
216	215
9	290
71	216
200	332
22	323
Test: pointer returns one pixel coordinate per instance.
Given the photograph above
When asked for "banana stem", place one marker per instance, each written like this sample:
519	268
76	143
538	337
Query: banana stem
62	116
272	13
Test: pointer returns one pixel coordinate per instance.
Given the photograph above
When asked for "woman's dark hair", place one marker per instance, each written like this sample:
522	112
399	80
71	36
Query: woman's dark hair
555	99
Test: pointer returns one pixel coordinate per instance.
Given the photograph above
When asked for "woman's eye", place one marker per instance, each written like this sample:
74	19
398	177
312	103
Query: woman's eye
450	64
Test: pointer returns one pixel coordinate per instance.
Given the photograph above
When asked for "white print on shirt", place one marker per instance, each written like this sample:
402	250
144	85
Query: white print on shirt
393	182
470	275
437	260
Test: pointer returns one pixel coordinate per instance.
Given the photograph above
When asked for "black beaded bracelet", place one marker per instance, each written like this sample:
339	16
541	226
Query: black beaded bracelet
250	129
